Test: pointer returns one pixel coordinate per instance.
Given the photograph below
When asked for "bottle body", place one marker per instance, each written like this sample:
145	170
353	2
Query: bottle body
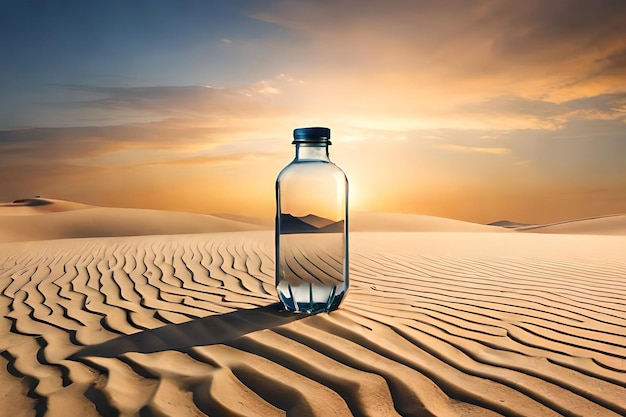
311	232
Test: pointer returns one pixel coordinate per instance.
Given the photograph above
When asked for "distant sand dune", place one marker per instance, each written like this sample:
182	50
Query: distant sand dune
108	221
603	225
400	222
38	205
47	219
435	324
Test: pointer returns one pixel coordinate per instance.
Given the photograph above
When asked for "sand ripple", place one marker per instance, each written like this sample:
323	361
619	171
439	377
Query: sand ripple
187	325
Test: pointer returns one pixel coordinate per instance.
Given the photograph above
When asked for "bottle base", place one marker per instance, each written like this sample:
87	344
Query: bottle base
310	298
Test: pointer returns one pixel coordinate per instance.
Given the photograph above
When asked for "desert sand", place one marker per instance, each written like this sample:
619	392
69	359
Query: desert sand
127	312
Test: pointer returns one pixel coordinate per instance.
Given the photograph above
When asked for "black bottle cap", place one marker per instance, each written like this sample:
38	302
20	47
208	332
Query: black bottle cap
312	135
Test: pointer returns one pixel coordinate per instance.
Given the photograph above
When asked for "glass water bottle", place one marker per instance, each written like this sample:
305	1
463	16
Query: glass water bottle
311	227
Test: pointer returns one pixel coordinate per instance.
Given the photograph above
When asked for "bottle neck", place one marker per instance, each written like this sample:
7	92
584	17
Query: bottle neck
312	152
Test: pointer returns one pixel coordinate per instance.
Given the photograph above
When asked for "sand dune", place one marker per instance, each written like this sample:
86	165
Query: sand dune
400	222
109	221
604	225
391	222
46	219
435	324
38	205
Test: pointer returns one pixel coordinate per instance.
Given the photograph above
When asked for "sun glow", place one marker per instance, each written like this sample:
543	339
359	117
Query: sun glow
356	198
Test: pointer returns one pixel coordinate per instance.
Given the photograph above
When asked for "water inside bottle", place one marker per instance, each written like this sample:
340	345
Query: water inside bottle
311	262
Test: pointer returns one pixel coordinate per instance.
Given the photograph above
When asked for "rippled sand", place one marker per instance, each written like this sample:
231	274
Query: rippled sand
435	324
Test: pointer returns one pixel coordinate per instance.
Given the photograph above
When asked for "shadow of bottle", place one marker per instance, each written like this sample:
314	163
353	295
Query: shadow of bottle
210	330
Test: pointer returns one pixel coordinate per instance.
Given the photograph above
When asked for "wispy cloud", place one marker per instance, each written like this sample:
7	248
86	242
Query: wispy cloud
475	149
160	102
530	48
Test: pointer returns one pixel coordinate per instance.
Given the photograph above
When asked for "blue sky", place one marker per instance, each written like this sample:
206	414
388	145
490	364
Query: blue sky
51	46
472	110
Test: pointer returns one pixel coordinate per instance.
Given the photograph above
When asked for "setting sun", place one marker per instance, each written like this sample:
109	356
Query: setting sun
473	111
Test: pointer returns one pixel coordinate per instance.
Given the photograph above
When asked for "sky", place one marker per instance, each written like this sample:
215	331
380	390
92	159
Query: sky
479	111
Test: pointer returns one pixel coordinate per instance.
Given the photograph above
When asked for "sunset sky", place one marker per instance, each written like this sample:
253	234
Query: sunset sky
474	110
